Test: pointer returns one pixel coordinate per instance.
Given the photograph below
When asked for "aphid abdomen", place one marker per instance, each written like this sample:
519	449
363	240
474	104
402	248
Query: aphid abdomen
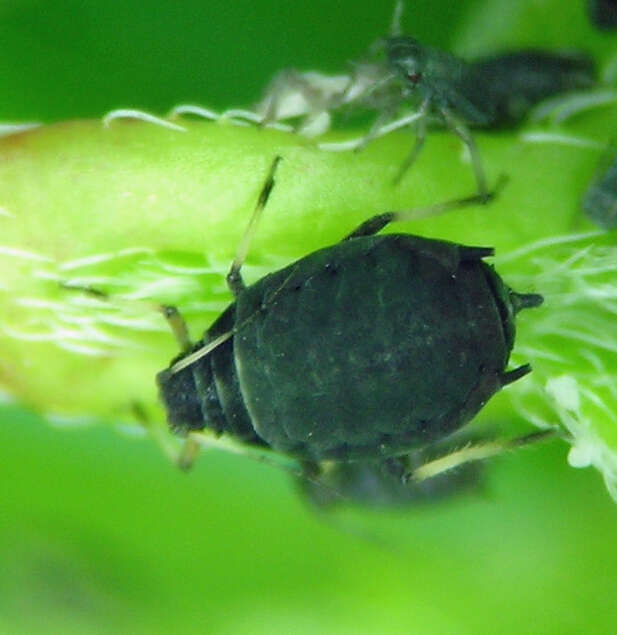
206	394
190	397
181	400
374	343
517	81
237	421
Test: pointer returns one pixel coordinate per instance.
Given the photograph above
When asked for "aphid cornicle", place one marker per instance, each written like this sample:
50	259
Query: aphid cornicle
362	350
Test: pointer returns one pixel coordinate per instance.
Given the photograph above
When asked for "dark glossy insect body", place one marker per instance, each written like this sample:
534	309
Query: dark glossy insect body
362	350
600	199
603	14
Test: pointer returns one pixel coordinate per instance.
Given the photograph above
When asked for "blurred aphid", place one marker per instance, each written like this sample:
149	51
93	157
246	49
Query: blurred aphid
417	84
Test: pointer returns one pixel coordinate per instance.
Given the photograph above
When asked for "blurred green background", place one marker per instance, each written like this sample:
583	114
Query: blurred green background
99	534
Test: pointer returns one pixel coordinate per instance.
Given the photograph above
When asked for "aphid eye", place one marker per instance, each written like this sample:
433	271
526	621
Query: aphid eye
414	78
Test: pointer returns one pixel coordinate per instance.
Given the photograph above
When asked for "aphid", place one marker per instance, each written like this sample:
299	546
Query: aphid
488	93
603	14
492	92
600	199
363	350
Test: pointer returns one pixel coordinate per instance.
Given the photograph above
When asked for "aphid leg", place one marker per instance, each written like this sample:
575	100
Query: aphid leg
182	456
234	277
474	452
177	325
305	469
188	453
384	117
418	145
461	131
378	222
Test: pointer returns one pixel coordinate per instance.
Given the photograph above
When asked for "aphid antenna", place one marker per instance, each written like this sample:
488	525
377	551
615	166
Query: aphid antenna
377	223
187	361
234	278
395	28
205	350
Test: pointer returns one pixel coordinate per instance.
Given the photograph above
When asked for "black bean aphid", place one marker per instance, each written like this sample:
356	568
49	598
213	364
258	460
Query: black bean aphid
363	350
600	199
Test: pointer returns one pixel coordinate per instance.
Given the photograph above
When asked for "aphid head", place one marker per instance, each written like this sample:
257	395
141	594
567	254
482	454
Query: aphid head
406	58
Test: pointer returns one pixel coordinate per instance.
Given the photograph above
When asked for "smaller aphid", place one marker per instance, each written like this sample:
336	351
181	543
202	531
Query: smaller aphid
600	199
488	93
603	14
492	92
